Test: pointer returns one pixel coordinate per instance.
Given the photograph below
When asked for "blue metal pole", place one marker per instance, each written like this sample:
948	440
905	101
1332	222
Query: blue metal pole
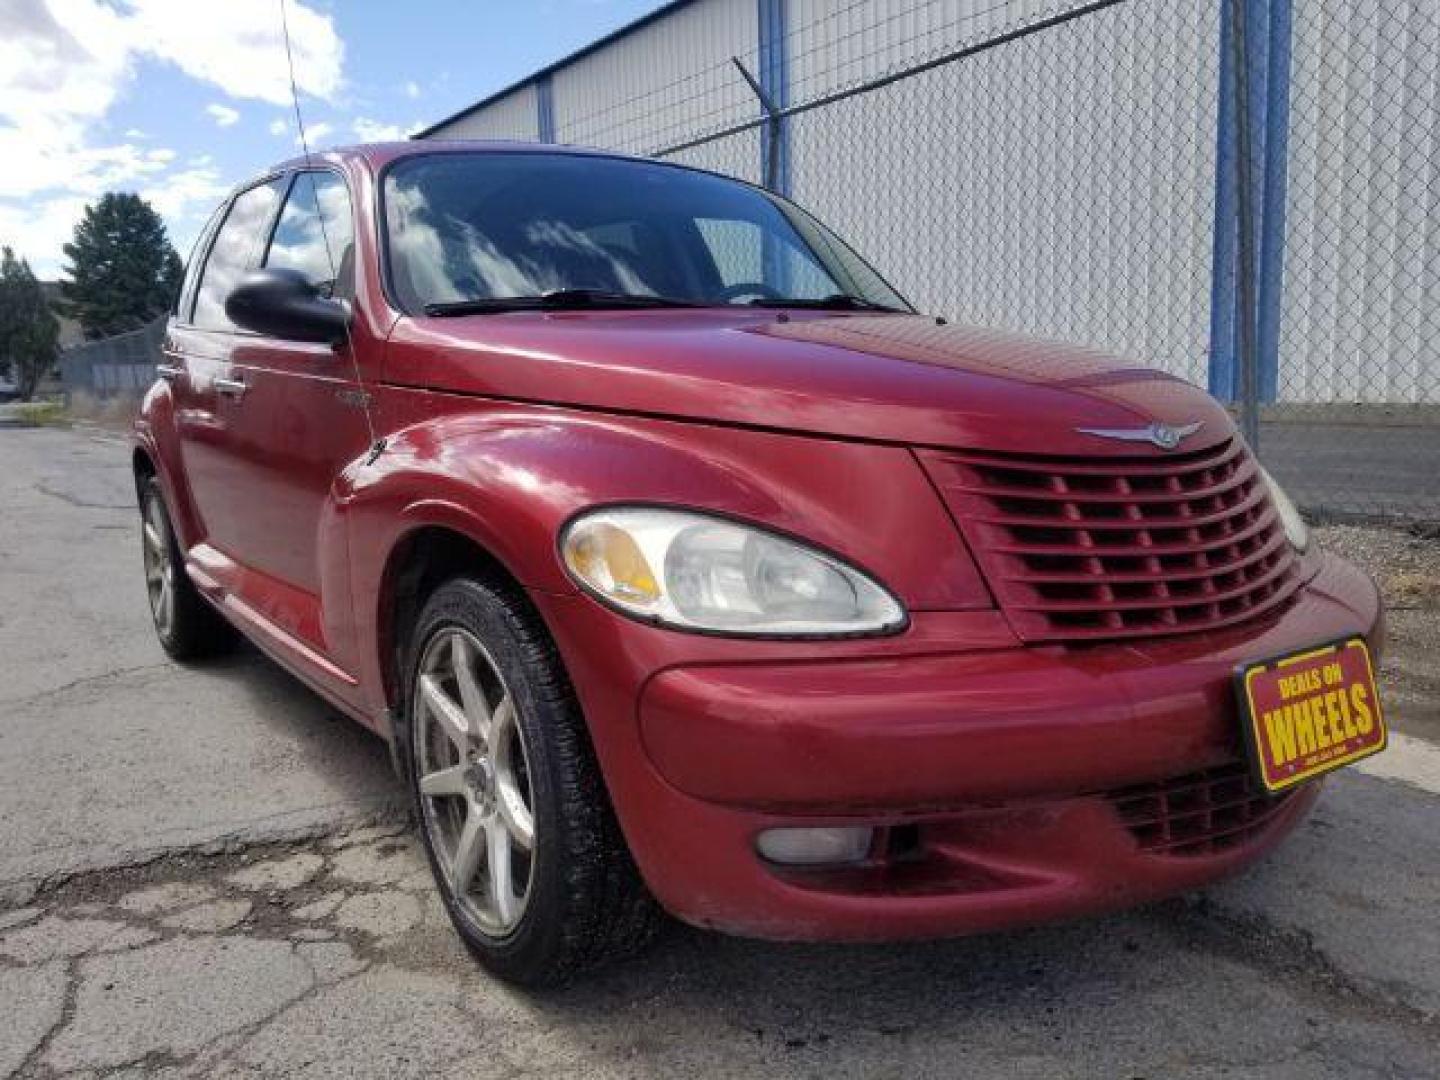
1272	220
774	76
1221	381
545	110
1257	82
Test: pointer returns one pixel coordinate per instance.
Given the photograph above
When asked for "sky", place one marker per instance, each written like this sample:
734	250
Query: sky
179	100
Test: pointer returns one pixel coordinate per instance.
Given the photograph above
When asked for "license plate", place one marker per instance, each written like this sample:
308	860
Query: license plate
1310	712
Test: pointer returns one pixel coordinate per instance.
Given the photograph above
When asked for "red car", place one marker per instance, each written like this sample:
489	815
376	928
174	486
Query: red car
685	566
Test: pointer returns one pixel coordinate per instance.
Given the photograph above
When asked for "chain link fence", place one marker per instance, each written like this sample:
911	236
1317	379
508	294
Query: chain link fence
1243	193
114	367
1354	409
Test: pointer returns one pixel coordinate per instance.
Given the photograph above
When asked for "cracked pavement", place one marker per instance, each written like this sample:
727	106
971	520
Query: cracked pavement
88	700
202	875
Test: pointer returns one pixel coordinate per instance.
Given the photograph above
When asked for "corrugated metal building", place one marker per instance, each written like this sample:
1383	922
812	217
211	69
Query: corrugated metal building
1065	168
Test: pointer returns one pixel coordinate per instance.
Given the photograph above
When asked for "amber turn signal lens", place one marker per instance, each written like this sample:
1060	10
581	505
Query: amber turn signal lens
607	559
693	571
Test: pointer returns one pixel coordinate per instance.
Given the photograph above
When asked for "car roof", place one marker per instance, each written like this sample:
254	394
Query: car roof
377	155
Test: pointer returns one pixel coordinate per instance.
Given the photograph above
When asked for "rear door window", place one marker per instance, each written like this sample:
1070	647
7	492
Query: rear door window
236	249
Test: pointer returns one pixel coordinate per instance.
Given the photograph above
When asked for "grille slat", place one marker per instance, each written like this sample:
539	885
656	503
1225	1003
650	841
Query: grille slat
1196	571
1085	549
1160	599
1191	544
1126	496
1201	813
1130	517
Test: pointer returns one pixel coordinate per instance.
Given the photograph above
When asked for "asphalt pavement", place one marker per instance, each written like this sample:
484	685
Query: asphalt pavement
1356	470
202	873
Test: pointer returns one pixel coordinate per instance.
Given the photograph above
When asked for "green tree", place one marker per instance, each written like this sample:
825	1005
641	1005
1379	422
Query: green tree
123	271
29	331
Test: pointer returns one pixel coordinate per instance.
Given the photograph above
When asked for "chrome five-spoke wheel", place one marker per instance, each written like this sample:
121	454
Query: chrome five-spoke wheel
527	855
185	623
159	566
474	780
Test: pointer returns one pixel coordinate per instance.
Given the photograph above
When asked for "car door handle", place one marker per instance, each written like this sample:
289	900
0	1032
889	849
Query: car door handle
169	372
234	388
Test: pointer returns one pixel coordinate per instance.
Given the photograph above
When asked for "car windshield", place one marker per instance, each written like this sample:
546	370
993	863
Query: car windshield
508	229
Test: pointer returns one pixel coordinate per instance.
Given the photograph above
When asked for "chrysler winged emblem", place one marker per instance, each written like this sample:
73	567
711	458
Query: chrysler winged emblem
1165	436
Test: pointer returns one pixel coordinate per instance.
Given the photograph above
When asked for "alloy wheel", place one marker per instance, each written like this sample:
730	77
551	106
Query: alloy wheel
474	780
159	566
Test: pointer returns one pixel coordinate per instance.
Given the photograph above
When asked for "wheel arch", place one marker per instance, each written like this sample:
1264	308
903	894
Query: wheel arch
421	559
141	463
143	469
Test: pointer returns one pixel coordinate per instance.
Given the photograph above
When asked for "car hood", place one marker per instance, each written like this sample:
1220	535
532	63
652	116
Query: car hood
892	378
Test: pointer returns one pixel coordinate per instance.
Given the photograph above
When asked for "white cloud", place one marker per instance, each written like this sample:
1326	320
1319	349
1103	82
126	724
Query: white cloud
412	90
190	192
39	228
63	63
315	134
84	170
223	115
367	130
58	73
278	127
239	46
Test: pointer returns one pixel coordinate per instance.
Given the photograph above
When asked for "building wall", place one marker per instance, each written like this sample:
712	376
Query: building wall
1361	313
1062	184
662	83
834	43
1065	184
515	116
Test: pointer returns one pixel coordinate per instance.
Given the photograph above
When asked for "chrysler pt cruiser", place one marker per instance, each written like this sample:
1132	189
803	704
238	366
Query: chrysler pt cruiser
685	567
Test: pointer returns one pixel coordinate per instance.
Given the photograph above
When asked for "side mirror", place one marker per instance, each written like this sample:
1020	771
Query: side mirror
282	303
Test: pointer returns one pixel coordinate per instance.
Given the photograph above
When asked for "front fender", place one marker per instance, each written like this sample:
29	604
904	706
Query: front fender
509	477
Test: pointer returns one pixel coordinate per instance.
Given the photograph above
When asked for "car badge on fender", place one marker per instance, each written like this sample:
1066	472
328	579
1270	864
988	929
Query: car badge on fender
1165	436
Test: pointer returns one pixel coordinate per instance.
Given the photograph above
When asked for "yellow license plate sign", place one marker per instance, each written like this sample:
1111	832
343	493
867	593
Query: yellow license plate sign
1310	712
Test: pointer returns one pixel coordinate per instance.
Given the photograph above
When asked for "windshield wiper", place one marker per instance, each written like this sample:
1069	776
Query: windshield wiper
556	300
833	302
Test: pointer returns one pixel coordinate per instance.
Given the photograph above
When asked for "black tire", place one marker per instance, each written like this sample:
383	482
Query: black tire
194	629
586	903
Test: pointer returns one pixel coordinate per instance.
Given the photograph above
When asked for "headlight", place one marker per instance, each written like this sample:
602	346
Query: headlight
697	572
1295	527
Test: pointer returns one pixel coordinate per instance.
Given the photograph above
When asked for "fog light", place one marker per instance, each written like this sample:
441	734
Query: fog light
815	847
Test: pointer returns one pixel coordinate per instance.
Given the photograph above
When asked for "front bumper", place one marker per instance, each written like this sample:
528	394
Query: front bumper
997	775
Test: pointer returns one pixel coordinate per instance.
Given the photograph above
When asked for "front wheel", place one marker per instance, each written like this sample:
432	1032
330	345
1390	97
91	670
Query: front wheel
514	816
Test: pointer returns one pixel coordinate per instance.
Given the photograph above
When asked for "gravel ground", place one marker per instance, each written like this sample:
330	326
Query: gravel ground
1406	563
